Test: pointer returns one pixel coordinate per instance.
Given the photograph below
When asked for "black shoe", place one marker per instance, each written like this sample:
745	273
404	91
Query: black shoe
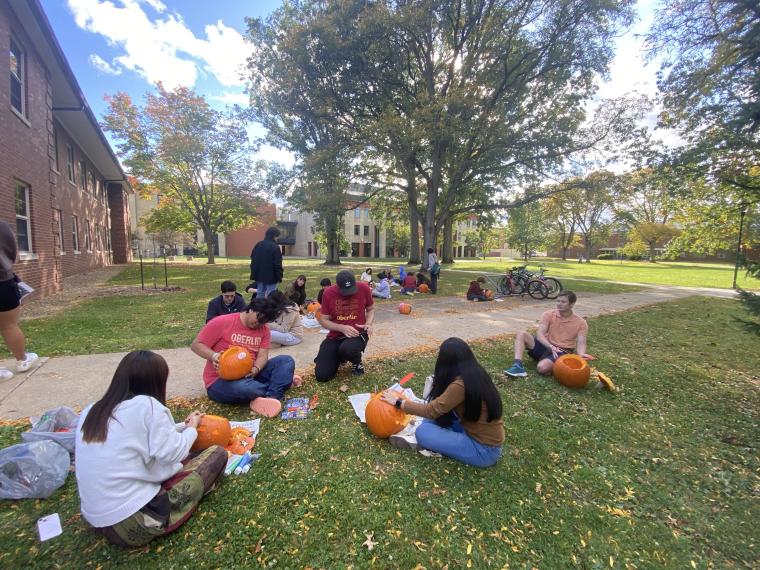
357	369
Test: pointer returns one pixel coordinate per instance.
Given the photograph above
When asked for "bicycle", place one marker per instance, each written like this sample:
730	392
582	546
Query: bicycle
554	286
517	282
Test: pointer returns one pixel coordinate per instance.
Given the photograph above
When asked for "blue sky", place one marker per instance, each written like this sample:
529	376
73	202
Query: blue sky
128	45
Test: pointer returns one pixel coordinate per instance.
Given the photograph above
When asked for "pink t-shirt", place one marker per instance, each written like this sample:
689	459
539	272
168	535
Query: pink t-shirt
350	310
225	331
563	332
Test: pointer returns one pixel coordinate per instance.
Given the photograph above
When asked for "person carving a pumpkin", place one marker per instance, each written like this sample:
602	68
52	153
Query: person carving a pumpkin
135	479
463	413
476	292
264	387
560	331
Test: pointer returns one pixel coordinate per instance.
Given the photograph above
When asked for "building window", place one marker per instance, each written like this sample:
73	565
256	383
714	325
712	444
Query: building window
75	233
87	236
357	213
70	163
91	182
82	175
59	230
18	78
23	218
356	230
308	247
366	213
366	231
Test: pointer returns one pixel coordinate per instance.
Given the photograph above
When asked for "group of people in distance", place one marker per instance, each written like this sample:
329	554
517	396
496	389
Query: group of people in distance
136	480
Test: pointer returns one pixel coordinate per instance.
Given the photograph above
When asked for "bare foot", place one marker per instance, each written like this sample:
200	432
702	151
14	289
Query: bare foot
297	381
268	407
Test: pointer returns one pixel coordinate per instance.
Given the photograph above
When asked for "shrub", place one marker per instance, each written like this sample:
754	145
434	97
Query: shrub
606	256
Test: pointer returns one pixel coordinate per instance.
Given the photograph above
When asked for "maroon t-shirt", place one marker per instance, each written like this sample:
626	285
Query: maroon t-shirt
350	310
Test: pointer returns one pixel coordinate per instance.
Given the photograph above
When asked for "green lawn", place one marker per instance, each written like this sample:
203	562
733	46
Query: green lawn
172	319
662	474
687	274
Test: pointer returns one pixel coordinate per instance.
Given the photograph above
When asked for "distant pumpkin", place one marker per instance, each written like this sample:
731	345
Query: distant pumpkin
234	363
423	288
572	371
489	294
404	308
213	430
313	307
383	420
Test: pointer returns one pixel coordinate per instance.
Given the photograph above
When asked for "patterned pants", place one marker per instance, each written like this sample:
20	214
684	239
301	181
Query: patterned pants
174	504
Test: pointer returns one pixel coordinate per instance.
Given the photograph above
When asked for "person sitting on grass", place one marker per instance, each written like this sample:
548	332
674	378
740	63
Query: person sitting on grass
409	286
265	385
135	479
422	279
286	330
463	412
560	331
382	288
230	301
367	276
324	284
476	292
296	291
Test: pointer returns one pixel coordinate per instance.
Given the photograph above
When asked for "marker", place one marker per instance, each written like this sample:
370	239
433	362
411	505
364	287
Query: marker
406	378
234	464
242	463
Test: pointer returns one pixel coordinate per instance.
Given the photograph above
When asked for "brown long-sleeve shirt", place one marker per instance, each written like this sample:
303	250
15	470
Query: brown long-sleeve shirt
482	431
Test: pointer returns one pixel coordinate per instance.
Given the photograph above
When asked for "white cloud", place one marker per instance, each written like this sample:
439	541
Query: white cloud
163	48
103	66
231	98
267	152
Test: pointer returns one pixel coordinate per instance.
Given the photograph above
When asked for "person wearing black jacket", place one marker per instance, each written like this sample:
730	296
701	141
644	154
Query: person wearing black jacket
230	301
266	263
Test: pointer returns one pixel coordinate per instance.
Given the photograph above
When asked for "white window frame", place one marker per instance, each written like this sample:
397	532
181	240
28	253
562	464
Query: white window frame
61	246
71	170
25	217
22	79
87	236
75	233
83	175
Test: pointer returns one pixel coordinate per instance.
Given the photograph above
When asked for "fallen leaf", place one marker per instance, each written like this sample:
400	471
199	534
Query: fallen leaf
343	388
369	543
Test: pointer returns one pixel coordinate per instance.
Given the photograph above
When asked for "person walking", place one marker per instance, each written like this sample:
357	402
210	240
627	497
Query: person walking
10	305
435	269
266	263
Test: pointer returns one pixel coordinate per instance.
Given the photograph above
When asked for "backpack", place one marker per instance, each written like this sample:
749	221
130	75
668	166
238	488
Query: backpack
435	269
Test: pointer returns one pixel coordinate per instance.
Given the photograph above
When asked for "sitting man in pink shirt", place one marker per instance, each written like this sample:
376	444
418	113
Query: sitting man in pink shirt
265	386
560	331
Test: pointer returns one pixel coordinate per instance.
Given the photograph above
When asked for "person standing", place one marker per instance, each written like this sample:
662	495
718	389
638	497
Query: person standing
435	270
347	312
10	305
266	263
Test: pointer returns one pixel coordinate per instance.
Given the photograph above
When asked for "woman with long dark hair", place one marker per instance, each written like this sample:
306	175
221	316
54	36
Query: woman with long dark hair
135	479
286	329
463	412
296	290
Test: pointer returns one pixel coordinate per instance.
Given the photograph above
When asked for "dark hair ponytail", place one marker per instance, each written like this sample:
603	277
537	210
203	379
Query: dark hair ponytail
456	360
140	373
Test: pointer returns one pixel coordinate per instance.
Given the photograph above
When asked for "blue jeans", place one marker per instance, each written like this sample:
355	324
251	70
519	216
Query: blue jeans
271	382
264	289
455	443
285	339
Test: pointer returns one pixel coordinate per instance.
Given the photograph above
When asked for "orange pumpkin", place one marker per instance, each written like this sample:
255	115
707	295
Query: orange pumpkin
234	363
313	307
404	308
383	420
423	288
240	441
572	371
213	430
489	294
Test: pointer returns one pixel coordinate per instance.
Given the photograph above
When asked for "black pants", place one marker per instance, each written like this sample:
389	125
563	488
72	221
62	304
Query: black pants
433	283
333	351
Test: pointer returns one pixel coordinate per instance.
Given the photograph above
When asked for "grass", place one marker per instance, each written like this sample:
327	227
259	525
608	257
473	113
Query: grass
155	319
662	474
686	274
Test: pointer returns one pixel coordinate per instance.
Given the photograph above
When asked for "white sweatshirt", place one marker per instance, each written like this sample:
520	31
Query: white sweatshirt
143	448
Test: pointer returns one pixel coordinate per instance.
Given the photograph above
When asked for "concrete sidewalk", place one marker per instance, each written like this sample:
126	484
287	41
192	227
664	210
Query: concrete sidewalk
75	381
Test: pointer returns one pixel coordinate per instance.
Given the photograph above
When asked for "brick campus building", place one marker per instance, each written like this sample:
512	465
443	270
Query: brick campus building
61	187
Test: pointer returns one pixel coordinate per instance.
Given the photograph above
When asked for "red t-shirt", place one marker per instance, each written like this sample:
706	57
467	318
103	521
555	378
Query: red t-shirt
348	310
225	331
410	281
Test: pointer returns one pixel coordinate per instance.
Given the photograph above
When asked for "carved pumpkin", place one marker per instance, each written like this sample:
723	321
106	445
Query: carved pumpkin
240	441
404	308
423	288
572	371
489	294
234	363
383	420
213	430
313	307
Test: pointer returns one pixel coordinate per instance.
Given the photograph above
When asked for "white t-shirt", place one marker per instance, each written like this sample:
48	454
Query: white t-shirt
143	448
366	277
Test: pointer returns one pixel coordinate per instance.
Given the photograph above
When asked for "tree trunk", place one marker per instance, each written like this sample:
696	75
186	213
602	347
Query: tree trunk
208	237
448	241
564	253
414	222
588	248
333	241
651	252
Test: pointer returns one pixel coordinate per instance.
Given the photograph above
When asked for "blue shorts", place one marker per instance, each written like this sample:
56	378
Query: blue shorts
541	352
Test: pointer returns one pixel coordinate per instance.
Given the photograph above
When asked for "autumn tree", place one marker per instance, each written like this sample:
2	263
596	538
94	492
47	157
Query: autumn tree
526	228
591	206
197	157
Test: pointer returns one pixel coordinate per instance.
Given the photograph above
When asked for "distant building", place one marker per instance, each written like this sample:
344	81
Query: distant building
61	186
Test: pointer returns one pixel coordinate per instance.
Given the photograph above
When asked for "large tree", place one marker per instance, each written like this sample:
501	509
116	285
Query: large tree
590	203
197	157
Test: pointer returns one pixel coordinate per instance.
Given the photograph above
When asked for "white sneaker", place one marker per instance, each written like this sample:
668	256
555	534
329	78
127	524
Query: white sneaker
5	374
26	364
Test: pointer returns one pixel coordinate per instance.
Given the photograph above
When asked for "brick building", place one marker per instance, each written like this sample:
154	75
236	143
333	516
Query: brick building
61	187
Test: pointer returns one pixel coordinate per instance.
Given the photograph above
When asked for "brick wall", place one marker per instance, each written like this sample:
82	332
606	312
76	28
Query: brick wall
241	242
